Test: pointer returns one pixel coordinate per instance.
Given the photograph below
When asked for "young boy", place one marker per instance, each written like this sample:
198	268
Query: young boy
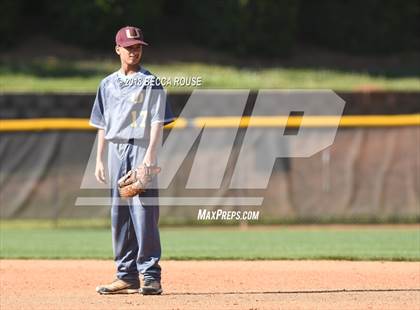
130	111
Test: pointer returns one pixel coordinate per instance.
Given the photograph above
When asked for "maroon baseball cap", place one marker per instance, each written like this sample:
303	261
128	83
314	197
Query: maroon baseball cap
129	35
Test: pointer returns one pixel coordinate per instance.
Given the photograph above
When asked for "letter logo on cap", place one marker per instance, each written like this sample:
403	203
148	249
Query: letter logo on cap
132	33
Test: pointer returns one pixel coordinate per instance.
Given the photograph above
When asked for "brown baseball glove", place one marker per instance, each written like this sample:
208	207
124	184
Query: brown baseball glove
137	180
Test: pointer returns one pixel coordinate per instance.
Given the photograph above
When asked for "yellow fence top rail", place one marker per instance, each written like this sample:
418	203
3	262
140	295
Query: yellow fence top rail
45	124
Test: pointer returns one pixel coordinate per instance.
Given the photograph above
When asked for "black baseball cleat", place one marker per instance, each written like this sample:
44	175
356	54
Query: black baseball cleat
151	287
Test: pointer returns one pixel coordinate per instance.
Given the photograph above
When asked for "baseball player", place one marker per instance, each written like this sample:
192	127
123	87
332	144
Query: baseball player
130	111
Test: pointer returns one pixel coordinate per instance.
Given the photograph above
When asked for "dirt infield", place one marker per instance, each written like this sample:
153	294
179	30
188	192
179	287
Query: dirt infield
70	284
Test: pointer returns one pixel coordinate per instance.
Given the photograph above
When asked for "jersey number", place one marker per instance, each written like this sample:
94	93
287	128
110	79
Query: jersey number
143	115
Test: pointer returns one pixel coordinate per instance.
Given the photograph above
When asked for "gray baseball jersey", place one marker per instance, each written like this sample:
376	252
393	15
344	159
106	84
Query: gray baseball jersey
126	106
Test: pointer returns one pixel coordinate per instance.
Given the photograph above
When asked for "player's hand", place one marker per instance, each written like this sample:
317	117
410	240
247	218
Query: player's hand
100	172
149	161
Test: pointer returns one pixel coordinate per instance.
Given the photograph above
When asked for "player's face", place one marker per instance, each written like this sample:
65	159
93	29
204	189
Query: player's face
130	55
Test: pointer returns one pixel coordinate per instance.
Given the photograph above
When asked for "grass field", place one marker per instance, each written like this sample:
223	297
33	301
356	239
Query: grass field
52	75
272	242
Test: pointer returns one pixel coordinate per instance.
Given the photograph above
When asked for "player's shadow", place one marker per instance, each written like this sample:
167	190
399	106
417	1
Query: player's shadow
301	292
